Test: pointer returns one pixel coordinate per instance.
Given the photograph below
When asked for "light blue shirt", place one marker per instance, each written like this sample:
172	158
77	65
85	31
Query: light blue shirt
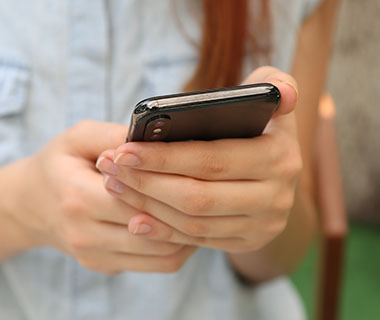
62	61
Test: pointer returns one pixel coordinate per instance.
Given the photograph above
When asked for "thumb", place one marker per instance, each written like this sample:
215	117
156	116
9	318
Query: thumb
283	81
90	138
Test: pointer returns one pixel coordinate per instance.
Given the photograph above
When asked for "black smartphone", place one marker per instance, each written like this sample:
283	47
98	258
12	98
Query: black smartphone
233	112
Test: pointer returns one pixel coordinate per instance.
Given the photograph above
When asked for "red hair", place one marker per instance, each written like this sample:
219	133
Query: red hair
227	26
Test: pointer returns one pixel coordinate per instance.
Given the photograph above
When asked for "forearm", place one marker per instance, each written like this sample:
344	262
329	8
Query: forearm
283	254
311	58
14	237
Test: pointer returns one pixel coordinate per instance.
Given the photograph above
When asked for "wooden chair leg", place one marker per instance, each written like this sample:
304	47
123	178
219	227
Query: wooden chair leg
332	214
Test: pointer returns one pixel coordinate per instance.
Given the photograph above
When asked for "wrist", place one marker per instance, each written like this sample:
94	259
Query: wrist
241	276
15	235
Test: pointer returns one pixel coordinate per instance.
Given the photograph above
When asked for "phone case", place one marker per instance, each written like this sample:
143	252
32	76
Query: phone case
234	112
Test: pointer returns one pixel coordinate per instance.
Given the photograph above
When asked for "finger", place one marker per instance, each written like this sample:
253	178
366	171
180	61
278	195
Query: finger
167	220
226	159
107	154
283	81
222	159
111	263
104	163
196	231
145	225
194	197
200	198
113	211
117	238
102	206
90	138
165	233
110	209
109	229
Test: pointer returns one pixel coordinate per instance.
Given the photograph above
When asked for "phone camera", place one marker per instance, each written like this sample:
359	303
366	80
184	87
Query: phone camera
157	128
159	123
155	137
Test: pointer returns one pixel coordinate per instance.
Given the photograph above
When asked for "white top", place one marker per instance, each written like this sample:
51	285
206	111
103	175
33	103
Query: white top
62	61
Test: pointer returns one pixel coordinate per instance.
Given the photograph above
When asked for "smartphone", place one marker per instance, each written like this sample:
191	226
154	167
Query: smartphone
233	112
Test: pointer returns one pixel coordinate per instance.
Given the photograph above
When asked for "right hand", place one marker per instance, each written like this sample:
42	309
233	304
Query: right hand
61	199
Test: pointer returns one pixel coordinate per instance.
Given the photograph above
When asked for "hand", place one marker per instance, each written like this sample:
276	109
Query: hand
62	201
232	194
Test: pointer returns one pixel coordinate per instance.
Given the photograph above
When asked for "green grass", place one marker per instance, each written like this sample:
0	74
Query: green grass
361	280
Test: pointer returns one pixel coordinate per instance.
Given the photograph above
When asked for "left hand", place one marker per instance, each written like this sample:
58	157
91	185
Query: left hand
230	194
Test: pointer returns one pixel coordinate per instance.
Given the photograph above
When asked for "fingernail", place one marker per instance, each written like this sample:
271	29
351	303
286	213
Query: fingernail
142	229
127	159
100	159
107	166
114	185
293	86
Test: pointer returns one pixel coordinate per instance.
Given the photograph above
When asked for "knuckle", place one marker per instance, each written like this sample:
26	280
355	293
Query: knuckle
173	264
194	228
76	239
138	181
289	163
293	166
283	202
274	148
167	235
71	202
197	200
212	165
275	225
160	159
297	164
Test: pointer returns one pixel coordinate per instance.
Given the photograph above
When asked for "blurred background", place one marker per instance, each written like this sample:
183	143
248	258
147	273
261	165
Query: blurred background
354	83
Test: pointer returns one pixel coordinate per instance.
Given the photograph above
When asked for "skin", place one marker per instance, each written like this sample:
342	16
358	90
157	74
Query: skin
231	194
283	254
240	196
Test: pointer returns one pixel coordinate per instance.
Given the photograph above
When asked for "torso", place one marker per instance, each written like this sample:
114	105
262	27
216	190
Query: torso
65	61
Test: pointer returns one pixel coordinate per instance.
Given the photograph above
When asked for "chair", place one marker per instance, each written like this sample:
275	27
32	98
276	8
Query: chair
332	214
